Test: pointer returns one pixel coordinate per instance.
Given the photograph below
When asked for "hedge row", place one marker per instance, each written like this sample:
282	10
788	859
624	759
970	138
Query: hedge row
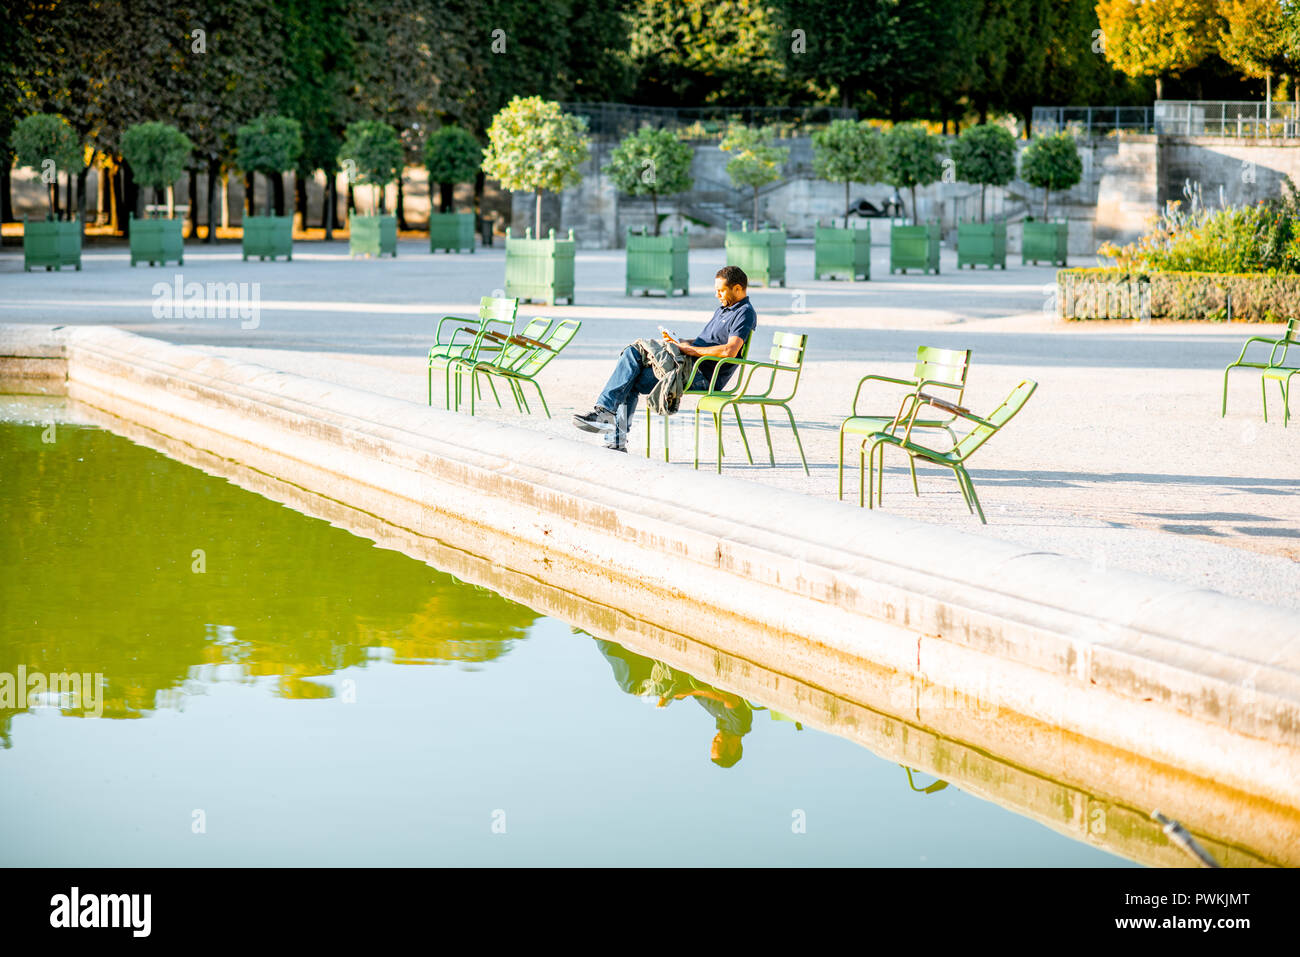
1217	297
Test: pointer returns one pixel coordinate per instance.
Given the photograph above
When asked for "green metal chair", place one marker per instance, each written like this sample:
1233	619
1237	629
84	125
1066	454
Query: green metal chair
521	358
956	457
457	337
744	354
1274	368
785	365
935	368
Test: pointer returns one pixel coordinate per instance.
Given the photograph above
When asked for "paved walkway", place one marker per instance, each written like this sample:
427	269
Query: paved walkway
1120	458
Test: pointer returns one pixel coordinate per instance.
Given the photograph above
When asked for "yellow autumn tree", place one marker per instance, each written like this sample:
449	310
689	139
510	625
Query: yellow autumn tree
1254	39
1158	38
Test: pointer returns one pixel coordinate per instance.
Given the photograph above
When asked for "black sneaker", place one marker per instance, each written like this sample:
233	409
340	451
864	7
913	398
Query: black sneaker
597	420
615	448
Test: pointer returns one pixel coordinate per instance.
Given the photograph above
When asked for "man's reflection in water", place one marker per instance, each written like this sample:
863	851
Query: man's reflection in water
654	680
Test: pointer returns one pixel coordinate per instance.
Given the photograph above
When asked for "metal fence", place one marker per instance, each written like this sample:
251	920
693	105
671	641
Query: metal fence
1092	120
1246	118
703	122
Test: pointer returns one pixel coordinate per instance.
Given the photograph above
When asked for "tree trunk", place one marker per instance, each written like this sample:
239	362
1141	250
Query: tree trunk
214	211
537	217
756	223
401	205
330	214
352	201
250	194
67	194
916	220
381	198
300	198
6	193
116	199
480	184
446	197
277	183
81	198
982	188
130	195
654	206
1028	117
52	194
1047	195
193	232
1160	87
846	204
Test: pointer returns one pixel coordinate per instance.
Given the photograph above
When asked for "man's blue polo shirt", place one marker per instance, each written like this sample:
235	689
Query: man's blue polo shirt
738	319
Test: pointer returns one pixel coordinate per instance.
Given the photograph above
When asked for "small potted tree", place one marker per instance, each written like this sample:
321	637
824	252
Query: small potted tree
1050	162
372	153
47	144
986	155
534	145
654	163
847	151
452	156
760	252
269	145
158	154
912	160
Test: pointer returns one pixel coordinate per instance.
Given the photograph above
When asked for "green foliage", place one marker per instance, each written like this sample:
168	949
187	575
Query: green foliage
452	155
1051	162
45	136
269	144
534	145
651	162
912	159
1158	37
1264	238
375	151
985	155
849	151
756	162
158	153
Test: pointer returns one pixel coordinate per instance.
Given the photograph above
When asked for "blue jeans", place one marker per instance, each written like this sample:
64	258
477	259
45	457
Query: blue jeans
630	380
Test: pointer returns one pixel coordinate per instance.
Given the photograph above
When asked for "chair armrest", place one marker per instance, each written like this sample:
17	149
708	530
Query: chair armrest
879	378
695	369
442	322
534	343
924	398
1246	345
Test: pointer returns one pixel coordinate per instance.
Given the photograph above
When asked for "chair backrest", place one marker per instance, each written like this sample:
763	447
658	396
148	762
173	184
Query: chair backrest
787	354
557	337
942	365
514	353
1289	339
501	309
999	417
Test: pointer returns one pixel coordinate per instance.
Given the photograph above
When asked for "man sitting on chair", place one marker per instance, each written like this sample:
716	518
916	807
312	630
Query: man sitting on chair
724	336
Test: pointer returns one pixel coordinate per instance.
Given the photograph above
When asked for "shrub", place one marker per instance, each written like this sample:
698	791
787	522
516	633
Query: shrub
849	151
1179	296
48	144
375	152
651	163
1051	162
985	155
756	161
534	145
452	156
912	159
157	153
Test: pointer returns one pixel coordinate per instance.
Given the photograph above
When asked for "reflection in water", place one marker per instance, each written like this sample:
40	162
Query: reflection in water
120	562
646	678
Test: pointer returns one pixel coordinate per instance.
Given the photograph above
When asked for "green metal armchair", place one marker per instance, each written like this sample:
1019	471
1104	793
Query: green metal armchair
785	366
695	369
954	458
458	337
519	361
1275	368
934	369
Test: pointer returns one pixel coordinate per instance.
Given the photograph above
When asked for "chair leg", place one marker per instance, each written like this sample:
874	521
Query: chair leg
743	438
494	391
647	438
911	463
648	423
797	442
1224	410
1263	391
1286	412
541	397
970	485
862	472
840	470
767	433
697	438
717	428
430	383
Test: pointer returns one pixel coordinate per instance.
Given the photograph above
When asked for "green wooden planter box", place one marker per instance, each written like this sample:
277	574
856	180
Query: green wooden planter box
982	244
1045	242
267	237
372	236
761	253
657	262
453	232
51	243
913	247
539	270
157	241
842	253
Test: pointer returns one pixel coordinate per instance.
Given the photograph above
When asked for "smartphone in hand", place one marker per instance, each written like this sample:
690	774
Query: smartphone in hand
667	335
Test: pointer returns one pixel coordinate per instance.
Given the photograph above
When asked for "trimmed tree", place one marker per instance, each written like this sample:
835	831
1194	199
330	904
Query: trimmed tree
375	153
912	159
1051	162
848	151
47	143
1255	39
452	156
756	162
985	155
651	163
158	154
534	145
269	145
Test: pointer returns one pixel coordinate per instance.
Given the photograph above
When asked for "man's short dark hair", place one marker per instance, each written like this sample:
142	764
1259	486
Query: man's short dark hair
733	276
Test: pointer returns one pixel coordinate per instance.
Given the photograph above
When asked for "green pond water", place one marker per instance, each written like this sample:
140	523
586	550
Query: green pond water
278	691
